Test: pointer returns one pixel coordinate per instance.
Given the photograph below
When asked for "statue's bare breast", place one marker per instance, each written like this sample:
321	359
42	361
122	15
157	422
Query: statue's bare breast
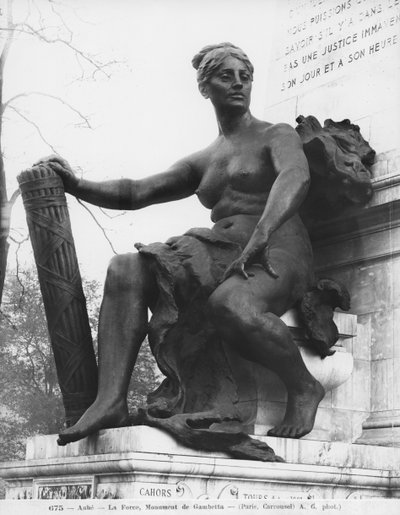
236	179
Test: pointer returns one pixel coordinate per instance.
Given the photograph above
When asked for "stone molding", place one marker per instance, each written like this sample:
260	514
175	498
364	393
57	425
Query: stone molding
356	223
380	428
383	420
313	469
386	181
224	468
148	440
364	235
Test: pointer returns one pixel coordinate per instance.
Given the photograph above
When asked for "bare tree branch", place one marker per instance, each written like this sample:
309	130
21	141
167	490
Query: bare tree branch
36	126
9	320
3	186
28	10
76	12
98	224
7	44
79	64
19	231
55	11
33	366
26	28
17	274
108	215
47	95
39	13
19	242
14	197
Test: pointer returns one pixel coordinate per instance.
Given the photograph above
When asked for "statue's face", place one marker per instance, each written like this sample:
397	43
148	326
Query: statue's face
230	86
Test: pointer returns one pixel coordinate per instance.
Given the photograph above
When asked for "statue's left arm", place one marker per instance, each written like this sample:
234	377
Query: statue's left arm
286	196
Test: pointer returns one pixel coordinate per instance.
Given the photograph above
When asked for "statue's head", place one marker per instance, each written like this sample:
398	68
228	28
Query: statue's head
229	68
210	58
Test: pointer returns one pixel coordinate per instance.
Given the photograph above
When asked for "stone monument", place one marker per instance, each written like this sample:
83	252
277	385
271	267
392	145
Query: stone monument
352	451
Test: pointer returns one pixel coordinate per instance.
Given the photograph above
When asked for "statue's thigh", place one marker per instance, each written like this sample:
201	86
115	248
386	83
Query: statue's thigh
259	293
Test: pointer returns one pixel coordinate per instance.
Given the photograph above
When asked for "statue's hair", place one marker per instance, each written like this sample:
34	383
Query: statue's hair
207	61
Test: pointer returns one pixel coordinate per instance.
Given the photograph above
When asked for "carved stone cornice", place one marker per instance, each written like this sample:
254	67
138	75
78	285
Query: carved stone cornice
313	470
386	181
357	222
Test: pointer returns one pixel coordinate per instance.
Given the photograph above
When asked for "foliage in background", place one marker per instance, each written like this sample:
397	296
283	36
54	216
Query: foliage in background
30	399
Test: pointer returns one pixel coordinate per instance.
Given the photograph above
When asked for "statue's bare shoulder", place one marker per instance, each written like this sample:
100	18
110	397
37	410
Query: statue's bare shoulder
284	147
279	134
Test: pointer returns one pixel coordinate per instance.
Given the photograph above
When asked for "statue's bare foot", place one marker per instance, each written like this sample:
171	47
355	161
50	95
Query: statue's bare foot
300	413
100	415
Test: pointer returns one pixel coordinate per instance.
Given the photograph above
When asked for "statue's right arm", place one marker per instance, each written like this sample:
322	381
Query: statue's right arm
179	181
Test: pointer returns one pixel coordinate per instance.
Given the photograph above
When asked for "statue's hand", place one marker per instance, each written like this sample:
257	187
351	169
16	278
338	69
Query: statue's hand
239	267
62	168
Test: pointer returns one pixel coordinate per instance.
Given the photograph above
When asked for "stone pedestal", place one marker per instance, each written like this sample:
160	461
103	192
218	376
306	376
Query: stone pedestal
146	463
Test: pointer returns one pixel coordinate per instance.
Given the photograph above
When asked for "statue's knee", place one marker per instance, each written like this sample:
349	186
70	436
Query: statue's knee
120	272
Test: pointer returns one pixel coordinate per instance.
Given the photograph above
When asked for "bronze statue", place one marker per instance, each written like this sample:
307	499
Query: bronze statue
210	289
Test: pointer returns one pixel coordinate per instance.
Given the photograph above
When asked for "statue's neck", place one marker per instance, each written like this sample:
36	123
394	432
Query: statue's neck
230	123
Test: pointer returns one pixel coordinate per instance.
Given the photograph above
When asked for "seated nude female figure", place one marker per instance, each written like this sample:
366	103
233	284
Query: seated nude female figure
253	178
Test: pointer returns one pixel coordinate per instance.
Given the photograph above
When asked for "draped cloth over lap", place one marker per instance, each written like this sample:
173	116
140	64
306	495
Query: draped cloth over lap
198	402
188	269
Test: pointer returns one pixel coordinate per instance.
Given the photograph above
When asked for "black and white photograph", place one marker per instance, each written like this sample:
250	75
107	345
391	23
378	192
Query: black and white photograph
200	256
